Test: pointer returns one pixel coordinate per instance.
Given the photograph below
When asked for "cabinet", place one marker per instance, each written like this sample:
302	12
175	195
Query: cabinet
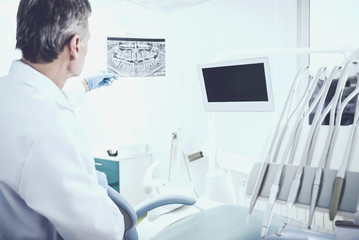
125	174
111	170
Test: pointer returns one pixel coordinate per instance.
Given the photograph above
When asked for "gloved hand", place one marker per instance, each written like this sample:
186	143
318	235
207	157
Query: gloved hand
99	80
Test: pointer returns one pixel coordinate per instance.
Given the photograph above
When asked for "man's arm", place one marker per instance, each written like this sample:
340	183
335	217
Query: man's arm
77	91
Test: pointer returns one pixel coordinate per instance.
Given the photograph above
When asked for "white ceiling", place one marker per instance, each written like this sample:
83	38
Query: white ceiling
167	5
8	8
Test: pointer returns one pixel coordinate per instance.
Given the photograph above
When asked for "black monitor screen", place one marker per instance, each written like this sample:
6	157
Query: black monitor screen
237	83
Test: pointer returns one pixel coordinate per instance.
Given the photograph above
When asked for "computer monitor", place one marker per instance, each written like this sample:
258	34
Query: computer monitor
237	86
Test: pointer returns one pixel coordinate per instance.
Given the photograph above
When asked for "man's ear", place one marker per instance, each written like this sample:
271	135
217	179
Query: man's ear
74	46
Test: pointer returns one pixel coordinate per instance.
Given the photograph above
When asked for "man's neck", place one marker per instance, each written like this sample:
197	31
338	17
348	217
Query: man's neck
54	70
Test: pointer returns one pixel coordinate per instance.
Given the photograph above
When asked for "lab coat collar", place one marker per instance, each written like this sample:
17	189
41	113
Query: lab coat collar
25	74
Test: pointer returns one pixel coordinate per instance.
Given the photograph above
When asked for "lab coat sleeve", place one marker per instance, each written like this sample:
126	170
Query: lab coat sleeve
59	182
102	179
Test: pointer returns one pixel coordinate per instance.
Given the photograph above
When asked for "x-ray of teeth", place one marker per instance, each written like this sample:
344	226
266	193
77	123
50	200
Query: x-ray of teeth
136	57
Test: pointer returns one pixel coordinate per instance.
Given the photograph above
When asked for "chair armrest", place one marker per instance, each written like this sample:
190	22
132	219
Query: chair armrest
122	203
129	214
162	200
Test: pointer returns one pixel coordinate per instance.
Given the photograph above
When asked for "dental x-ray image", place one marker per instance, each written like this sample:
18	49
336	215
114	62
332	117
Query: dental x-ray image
136	57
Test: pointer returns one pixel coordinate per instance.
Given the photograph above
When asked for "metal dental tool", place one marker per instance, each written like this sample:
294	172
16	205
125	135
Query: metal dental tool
294	190
339	180
275	186
269	156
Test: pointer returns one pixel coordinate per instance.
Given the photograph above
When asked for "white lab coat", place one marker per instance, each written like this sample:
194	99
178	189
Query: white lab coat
48	182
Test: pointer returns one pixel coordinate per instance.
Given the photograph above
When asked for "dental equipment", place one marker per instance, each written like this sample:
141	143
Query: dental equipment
253	92
312	106
340	104
332	105
275	186
173	154
294	190
339	180
318	174
269	157
338	184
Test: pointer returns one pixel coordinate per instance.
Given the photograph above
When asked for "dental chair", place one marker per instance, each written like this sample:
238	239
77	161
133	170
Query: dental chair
131	216
222	222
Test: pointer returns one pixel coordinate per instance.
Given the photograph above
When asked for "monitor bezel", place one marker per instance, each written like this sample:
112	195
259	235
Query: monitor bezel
254	106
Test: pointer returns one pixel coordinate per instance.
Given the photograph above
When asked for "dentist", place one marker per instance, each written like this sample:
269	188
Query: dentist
48	183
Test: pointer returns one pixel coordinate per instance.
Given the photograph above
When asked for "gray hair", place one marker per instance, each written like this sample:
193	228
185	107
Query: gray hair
44	27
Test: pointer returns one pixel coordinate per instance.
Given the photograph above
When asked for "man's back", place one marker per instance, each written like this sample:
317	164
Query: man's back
47	173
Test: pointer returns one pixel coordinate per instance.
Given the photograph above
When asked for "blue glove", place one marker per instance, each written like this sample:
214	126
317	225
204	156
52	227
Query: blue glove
99	80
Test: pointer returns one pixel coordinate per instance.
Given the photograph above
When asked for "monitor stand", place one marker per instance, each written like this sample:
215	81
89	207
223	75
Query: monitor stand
219	185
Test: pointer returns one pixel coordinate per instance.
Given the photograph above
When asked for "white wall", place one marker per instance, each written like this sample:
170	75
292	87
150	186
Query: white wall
333	24
8	11
148	110
7	44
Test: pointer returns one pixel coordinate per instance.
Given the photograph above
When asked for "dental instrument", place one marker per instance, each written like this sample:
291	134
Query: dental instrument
311	108
318	174
294	190
338	184
332	105
275	186
339	180
173	154
339	108
267	160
